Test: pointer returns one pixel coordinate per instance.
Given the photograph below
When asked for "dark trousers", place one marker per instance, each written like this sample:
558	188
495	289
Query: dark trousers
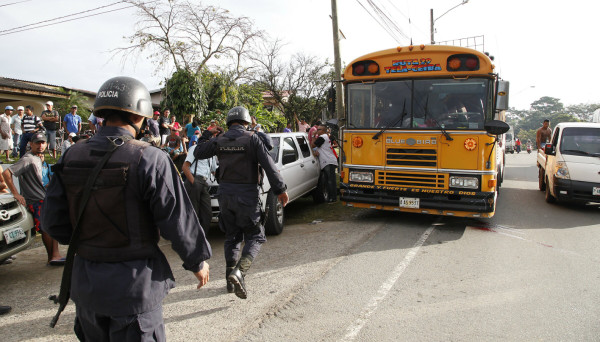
24	140
147	326
198	193
240	220
328	177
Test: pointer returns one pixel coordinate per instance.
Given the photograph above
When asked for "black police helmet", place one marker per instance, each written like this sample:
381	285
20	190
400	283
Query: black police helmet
124	94
238	113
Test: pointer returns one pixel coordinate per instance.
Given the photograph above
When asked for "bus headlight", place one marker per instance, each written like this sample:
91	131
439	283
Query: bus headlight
464	182
361	177
561	171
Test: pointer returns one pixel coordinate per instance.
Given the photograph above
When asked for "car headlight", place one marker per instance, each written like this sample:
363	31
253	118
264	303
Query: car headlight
361	177
464	182
561	171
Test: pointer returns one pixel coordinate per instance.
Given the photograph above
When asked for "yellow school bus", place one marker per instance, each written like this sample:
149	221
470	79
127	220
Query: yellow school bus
421	131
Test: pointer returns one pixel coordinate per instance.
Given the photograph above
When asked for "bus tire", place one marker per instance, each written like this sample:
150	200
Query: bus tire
275	216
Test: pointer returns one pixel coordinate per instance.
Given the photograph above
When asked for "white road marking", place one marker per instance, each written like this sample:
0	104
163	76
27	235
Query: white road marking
353	330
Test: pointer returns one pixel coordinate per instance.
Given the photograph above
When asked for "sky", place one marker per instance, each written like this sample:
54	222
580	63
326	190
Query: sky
544	48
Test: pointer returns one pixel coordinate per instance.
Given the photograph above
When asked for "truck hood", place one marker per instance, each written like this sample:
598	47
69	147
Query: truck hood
582	168
569	158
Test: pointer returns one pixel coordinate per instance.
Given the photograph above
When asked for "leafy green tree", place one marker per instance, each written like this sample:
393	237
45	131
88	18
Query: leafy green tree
583	112
547	105
184	94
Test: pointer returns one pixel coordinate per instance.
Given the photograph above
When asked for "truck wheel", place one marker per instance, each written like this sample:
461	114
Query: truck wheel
549	197
275	217
320	193
541	183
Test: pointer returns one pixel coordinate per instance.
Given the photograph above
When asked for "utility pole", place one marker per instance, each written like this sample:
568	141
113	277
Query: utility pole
432	21
339	93
431	27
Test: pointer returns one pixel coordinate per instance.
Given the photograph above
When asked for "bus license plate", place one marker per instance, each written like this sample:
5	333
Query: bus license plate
409	202
14	235
596	191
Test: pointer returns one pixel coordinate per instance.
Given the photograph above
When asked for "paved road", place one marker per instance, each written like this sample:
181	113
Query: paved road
530	273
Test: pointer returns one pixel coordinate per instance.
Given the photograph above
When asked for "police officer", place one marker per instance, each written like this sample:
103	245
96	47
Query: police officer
240	152
119	275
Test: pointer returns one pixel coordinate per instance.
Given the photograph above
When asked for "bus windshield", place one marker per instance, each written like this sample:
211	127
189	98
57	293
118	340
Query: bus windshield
462	104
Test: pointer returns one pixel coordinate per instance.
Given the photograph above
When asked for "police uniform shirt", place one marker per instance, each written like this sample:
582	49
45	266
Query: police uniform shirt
131	287
209	149
201	167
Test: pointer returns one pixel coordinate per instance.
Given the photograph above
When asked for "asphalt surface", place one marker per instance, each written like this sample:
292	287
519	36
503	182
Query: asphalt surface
528	274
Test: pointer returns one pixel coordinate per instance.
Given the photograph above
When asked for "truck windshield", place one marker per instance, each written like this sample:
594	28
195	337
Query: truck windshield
580	141
462	104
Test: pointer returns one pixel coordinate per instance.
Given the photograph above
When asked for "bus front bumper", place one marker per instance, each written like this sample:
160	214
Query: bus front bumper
429	201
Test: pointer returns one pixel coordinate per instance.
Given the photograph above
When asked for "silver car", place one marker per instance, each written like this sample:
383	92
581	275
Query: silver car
16	226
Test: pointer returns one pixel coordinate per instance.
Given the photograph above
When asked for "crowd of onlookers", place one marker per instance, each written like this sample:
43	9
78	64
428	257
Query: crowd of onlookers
17	128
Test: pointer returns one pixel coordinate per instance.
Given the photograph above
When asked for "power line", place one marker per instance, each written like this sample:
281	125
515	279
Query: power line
14	3
37	25
385	28
385	19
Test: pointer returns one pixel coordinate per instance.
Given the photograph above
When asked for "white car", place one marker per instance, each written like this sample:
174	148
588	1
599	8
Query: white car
300	171
16	227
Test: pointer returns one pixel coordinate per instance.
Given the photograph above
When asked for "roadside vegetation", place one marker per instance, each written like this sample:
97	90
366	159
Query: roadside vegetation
527	122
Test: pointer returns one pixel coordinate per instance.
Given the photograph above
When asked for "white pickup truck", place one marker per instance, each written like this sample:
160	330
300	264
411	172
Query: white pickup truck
569	166
300	171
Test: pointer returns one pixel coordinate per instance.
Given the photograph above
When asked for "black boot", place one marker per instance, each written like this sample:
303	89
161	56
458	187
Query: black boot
237	279
4	309
237	276
230	287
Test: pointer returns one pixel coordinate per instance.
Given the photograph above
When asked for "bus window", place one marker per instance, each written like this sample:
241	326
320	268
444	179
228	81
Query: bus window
360	108
417	104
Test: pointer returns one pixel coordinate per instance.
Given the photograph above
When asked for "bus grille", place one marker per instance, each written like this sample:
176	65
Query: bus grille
411	180
412	157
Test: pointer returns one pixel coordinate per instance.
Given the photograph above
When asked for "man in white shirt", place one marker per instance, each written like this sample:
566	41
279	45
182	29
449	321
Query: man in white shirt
322	148
15	124
197	172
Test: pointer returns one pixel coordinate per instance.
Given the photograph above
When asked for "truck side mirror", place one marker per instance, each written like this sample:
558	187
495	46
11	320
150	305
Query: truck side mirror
496	127
549	150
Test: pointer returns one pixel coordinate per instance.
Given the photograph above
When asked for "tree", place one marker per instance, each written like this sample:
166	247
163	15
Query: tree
299	87
188	35
184	94
547	105
583	112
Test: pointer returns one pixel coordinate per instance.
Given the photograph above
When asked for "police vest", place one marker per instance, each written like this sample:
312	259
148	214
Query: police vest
117	224
237	160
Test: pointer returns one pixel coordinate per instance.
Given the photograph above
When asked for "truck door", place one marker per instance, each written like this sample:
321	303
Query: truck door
310	166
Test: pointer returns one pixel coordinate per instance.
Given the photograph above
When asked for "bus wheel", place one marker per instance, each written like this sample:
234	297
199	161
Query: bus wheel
541	175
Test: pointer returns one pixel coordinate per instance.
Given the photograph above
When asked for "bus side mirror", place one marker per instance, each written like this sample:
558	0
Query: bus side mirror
502	96
496	127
